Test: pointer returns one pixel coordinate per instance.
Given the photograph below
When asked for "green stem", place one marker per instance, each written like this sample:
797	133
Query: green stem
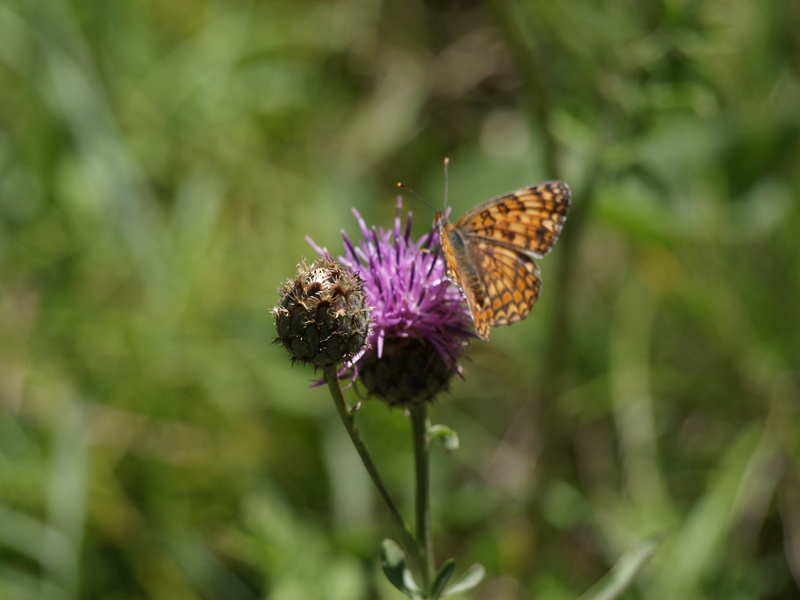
348	420
538	102
419	428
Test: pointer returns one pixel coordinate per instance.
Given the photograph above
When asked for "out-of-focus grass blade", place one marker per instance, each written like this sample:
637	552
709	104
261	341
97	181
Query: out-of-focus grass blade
61	545
621	576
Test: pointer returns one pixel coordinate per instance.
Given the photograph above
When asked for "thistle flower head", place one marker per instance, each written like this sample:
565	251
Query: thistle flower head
420	325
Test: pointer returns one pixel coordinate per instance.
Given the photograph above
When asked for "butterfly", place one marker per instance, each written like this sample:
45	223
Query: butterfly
490	250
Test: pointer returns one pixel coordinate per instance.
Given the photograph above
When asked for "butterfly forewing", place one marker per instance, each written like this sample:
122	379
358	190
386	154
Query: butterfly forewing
489	251
529	219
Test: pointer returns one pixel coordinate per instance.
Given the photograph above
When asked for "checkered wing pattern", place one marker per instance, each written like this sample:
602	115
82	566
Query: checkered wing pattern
490	251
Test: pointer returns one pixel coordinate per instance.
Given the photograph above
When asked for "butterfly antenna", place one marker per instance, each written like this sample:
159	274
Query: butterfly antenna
446	182
403	186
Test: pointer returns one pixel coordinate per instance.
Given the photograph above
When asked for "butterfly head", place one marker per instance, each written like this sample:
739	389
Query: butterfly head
440	219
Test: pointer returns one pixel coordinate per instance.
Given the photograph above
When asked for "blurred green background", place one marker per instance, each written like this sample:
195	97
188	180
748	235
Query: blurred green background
160	165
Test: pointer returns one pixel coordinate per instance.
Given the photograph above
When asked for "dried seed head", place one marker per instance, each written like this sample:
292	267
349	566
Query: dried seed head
322	318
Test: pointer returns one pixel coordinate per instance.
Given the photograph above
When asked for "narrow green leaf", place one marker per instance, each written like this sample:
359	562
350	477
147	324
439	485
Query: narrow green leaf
442	577
411	585
448	437
393	563
623	573
471	578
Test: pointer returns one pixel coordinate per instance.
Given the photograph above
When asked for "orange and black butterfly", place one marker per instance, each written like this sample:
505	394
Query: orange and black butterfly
490	251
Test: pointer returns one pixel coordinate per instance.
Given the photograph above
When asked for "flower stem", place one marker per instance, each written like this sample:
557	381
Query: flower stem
348	420
419	428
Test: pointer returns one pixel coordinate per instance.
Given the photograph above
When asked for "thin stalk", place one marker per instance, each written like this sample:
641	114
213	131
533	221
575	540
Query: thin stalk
348	420
537	97
419	428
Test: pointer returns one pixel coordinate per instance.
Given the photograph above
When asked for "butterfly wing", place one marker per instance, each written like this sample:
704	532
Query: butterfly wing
529	219
461	268
490	250
511	282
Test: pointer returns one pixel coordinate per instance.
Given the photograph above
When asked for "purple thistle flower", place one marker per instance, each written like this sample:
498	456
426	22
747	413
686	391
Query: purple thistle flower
420	324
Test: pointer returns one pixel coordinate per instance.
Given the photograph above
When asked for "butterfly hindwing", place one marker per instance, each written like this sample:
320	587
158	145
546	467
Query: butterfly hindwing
512	283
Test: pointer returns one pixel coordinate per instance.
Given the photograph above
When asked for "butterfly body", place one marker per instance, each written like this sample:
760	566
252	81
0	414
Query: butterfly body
490	250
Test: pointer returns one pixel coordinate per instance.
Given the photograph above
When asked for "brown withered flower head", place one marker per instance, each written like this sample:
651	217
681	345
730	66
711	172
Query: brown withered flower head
322	318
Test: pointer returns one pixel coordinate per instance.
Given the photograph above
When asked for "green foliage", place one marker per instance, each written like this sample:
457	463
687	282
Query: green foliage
160	165
393	563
